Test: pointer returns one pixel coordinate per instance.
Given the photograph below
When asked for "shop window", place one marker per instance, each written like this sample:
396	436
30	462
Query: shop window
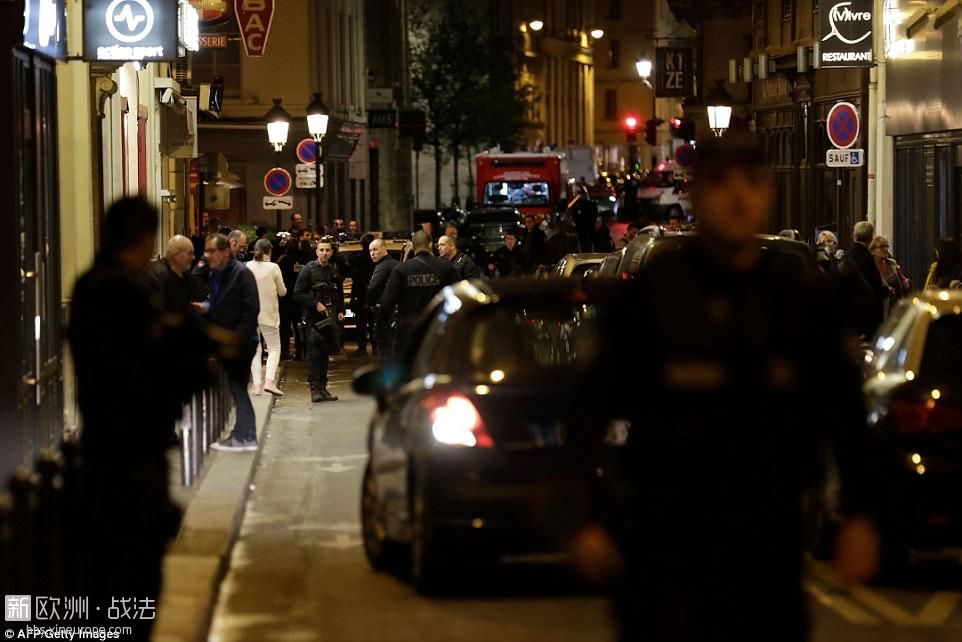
611	104
224	63
614	54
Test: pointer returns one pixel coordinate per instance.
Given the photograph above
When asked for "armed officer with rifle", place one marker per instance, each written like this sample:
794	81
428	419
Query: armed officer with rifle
320	293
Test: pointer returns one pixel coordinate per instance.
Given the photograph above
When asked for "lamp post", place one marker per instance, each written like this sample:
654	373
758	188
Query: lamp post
278	126
644	69
318	117
719	108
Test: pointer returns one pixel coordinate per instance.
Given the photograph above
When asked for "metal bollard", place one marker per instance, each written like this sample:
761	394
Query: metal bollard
197	433
186	456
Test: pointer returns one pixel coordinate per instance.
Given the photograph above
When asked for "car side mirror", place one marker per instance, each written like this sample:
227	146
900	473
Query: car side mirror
369	381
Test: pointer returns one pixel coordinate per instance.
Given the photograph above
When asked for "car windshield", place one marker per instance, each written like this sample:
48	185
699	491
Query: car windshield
525	342
942	357
517	192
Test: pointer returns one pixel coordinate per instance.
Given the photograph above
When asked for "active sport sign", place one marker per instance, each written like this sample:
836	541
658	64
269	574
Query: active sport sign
843	125
846	33
254	20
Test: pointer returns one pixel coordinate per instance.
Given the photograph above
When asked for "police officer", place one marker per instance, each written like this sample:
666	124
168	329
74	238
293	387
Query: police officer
319	291
384	265
448	249
412	286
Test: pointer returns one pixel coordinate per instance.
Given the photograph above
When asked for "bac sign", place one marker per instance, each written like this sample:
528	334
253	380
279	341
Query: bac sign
674	72
130	30
845	157
254	19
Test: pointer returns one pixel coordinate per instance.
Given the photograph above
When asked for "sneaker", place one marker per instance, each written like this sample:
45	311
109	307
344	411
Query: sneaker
272	388
230	444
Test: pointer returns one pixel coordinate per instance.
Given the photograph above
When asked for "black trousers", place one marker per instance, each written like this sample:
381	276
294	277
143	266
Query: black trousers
318	360
290	313
363	320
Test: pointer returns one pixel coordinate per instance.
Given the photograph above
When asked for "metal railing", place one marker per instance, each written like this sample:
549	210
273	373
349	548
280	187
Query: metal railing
203	422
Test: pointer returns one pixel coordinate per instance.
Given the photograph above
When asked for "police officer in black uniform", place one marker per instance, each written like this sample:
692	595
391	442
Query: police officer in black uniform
412	286
319	291
384	265
448	249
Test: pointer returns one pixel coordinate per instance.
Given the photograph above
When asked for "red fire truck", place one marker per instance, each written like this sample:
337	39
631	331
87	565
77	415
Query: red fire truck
530	182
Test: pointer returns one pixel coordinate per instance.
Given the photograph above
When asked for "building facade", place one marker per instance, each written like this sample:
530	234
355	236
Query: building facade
632	31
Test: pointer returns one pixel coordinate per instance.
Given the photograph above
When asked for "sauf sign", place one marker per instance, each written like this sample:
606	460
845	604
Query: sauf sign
846	33
254	20
673	72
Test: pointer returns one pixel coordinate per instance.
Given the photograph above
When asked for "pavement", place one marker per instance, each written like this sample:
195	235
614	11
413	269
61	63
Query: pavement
297	570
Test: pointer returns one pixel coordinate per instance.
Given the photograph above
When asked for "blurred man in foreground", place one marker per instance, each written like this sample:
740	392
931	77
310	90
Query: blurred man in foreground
712	538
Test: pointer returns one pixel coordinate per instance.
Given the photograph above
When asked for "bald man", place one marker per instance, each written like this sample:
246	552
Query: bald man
168	279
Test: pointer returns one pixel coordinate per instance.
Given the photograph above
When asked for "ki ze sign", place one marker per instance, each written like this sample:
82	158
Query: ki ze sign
846	33
130	30
673	72
845	157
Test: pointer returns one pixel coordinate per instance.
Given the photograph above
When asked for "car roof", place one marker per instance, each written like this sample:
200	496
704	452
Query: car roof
939	302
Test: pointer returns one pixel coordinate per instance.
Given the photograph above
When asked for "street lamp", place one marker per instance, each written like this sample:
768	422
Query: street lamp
719	108
318	117
536	25
597	34
278	125
643	67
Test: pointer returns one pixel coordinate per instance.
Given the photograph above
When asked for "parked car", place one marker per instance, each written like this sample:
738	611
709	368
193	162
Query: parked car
608	268
351	250
914	397
483	449
575	265
486	227
664	193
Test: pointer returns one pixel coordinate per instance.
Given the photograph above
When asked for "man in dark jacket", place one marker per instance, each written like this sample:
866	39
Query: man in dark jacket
412	286
741	354
167	279
384	265
510	260
128	408
232	308
533	242
362	269
864	290
298	253
448	249
320	293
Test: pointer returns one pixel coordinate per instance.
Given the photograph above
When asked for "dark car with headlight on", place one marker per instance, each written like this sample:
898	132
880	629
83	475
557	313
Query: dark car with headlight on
497	438
914	395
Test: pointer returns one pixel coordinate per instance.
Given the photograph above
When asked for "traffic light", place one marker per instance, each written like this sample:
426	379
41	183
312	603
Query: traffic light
631	129
651	131
683	128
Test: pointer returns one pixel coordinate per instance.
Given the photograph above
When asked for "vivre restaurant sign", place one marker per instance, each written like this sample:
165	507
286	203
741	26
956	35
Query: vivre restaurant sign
673	72
846	33
254	20
130	30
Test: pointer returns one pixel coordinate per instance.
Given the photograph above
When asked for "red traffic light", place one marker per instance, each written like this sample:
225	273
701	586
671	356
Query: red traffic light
675	122
631	122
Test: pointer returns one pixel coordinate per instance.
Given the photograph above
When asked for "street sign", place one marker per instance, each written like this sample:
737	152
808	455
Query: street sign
130	30
847	25
306	150
278	202
307	169
277	181
307	181
254	19
674	72
842	126
685	155
845	157
381	118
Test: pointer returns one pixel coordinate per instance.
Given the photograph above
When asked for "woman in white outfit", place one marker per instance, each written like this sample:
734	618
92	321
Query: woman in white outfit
270	286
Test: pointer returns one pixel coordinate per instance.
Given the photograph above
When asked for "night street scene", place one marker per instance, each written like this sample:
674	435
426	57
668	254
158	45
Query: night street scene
481	320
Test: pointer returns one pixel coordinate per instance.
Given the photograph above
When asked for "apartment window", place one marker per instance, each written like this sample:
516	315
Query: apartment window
614	54
788	8
611	104
614	9
225	63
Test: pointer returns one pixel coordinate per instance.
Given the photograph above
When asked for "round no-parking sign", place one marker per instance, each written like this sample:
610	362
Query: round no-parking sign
277	181
842	126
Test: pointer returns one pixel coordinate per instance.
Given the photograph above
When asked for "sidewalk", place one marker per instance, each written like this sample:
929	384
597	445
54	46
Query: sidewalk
196	561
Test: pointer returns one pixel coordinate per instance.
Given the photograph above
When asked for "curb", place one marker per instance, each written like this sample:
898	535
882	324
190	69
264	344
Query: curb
197	560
